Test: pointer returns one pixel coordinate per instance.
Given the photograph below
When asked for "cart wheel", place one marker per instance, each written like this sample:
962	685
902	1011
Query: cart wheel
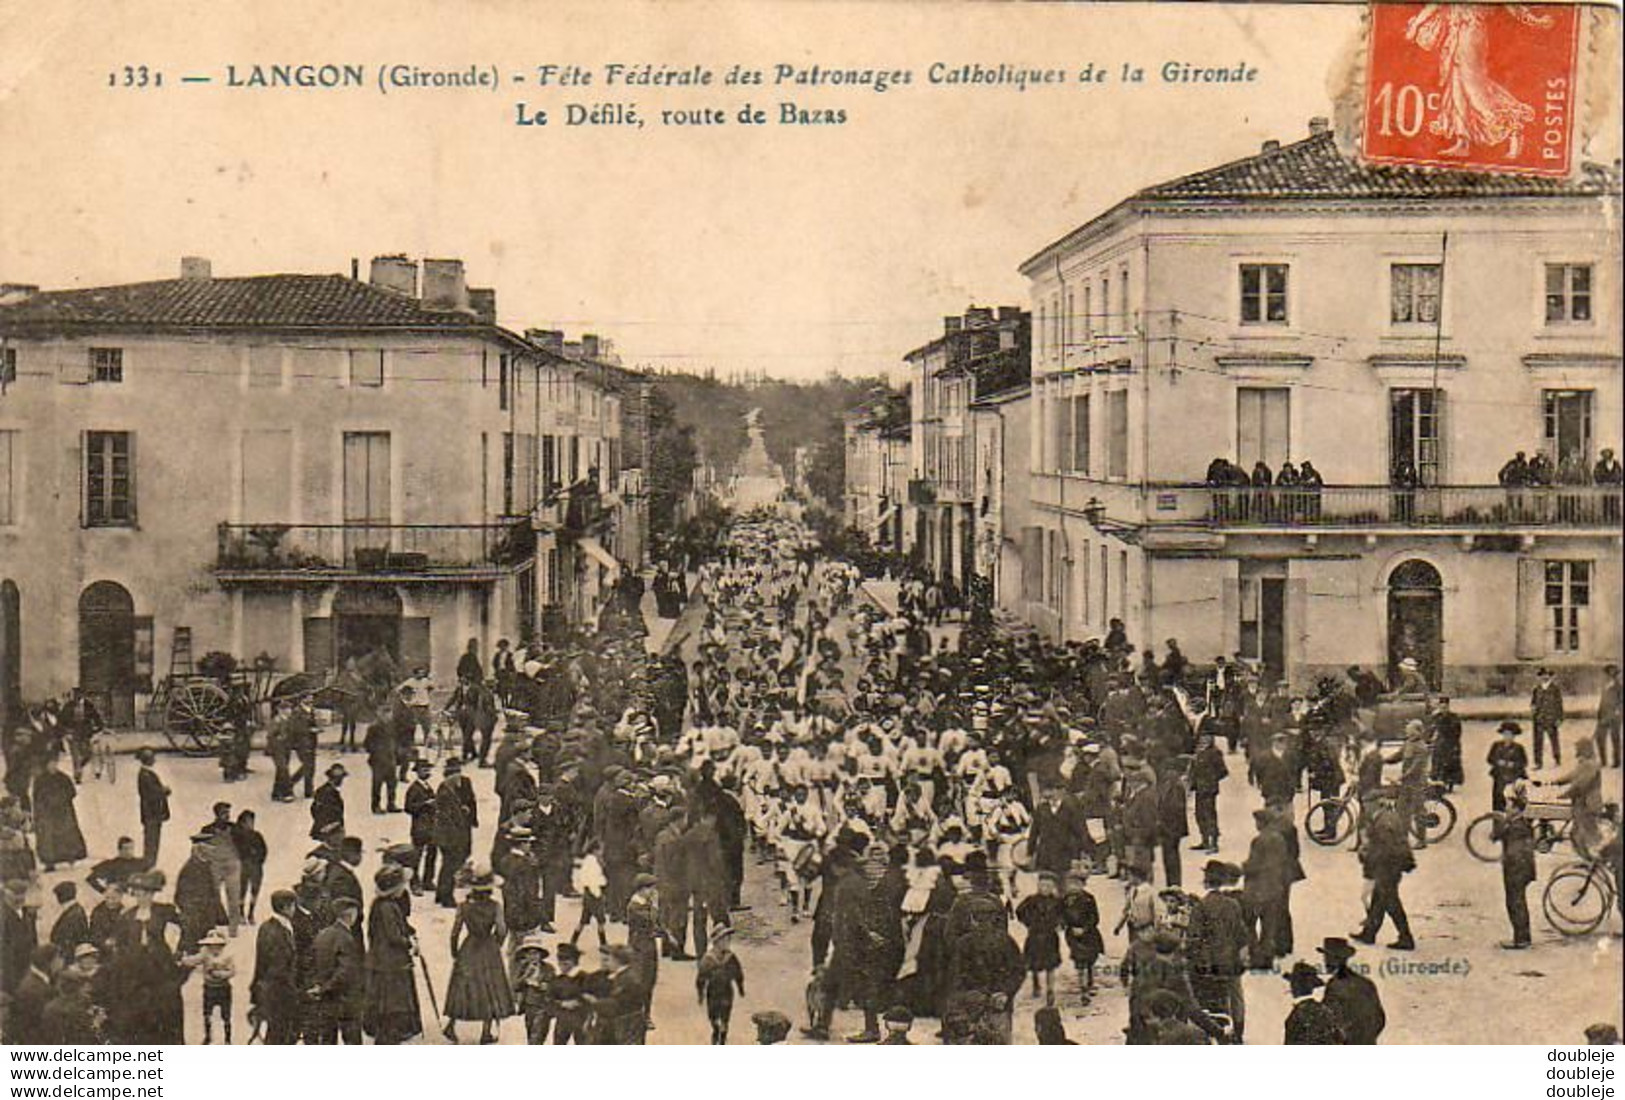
1480	837
198	716
1576	899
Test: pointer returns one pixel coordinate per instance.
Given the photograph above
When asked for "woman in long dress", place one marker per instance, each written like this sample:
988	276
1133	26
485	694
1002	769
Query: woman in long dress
479	988
1474	109
57	838
392	1014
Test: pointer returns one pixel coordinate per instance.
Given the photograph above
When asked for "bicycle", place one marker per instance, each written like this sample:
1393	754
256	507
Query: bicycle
1553	824
1579	895
1331	821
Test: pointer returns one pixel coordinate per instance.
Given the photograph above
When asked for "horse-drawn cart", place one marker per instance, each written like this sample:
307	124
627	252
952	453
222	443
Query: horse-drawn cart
198	713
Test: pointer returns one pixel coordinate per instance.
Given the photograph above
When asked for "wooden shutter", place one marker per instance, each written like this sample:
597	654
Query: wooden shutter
130	487
415	644
1531	642
319	657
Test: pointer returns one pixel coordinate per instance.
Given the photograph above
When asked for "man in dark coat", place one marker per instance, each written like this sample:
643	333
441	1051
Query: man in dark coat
1351	996
274	992
1173	821
118	869
337	986
985	974
1546	709
339	881
419	804
553	826
1059	832
72	925
1517	837
197	895
1208	770
327	804
1386	858
615	819
456	816
153	795
19	935
1310	1023
382	759
1216	945
23	1022
1265	890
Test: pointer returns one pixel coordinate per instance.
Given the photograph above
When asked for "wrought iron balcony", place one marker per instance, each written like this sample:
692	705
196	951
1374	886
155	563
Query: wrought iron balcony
266	551
1463	507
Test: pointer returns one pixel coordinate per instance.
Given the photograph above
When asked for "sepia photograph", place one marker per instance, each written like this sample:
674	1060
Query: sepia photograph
757	522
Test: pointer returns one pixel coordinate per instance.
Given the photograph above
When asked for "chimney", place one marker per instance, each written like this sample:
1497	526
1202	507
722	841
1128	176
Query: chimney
572	349
548	338
1271	146
196	267
1009	313
589	345
977	316
1319	125
483	301
444	286
12	293
951	325
396	274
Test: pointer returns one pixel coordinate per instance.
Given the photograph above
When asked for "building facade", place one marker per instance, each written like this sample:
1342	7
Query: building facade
877	470
983	352
1404	331
1001	426
295	468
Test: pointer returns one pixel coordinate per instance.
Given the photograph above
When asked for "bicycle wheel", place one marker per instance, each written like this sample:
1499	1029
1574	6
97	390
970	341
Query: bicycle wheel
1576	899
1441	809
1480	837
1329	822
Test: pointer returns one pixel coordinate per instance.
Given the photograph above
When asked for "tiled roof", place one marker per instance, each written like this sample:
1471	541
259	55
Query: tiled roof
265	301
1316	168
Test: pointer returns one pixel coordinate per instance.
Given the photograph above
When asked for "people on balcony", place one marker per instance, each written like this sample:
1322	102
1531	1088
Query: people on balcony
1524	477
1290	496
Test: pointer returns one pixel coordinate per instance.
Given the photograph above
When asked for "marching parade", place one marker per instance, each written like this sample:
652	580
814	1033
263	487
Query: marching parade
894	828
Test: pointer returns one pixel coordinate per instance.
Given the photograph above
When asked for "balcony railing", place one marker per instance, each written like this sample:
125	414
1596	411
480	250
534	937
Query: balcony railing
1365	506
1422	506
370	548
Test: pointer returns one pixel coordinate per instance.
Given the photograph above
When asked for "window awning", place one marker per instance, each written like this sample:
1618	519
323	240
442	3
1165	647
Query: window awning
595	550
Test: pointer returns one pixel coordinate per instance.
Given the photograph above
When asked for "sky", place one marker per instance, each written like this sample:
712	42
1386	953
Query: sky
790	250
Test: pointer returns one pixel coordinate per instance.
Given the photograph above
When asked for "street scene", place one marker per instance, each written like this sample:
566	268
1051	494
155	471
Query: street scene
1177	604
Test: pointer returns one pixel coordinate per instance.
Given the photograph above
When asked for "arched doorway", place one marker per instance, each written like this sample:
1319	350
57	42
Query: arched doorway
1416	619
367	617
11	654
107	650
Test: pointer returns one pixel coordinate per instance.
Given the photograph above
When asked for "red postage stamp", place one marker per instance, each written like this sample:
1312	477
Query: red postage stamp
1488	87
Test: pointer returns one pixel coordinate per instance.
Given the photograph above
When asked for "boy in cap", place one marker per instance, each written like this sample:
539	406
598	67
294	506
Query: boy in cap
715	979
218	972
533	978
568	996
1508	763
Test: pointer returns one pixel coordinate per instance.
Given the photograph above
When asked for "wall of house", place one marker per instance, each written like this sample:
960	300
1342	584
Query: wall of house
190	403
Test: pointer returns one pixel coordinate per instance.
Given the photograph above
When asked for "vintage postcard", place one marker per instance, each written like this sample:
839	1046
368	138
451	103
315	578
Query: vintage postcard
771	522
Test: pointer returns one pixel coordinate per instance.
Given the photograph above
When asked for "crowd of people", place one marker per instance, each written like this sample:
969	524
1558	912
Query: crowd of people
952	821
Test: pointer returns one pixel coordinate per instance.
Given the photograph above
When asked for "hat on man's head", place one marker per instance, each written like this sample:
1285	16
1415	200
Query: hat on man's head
1303	978
336	770
423	767
1511	727
1336	949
